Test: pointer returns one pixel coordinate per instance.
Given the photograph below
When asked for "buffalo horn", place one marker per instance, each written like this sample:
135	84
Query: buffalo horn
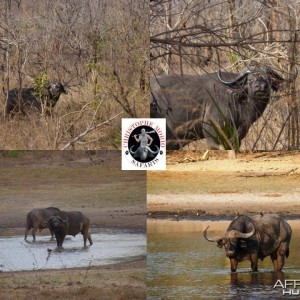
292	77
214	239
63	220
46	222
239	235
133	152
234	83
154	152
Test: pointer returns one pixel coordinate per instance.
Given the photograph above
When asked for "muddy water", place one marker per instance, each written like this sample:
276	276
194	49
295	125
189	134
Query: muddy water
183	265
109	246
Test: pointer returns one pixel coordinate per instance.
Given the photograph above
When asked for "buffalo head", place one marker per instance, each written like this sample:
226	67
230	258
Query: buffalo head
56	88
143	152
230	240
256	82
55	221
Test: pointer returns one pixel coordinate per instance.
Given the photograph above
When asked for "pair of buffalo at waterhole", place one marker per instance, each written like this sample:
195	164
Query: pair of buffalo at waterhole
26	100
60	224
218	107
253	237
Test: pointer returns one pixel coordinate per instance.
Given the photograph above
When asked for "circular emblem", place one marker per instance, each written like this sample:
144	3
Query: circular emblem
144	144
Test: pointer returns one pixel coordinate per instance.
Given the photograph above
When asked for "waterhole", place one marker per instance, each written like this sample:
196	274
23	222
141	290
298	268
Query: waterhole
181	264
109	247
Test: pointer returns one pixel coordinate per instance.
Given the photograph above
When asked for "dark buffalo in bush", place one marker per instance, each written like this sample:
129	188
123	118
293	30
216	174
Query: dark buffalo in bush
255	237
193	104
35	219
28	99
69	223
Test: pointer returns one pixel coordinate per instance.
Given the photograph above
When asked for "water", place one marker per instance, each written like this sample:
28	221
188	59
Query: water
109	246
183	265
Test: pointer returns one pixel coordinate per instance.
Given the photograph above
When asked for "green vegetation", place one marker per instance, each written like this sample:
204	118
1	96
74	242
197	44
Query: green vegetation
227	134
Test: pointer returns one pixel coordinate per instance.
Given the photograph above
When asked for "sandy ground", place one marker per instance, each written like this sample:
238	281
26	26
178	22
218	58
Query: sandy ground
92	183
251	183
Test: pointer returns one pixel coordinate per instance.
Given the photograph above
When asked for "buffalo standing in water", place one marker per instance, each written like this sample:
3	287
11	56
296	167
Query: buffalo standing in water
35	217
255	237
69	223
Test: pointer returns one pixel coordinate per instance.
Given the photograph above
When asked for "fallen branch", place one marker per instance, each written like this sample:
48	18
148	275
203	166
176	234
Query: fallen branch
88	130
266	174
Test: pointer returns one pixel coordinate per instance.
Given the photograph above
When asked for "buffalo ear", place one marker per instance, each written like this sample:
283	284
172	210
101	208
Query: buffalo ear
275	85
220	243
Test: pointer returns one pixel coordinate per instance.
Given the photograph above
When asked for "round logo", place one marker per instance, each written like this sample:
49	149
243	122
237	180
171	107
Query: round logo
143	144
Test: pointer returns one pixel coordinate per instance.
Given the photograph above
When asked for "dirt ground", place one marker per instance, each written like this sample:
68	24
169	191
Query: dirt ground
91	182
222	187
119	281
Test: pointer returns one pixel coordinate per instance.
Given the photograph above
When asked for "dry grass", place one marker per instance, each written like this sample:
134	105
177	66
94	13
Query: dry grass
271	130
99	49
205	49
124	281
80	120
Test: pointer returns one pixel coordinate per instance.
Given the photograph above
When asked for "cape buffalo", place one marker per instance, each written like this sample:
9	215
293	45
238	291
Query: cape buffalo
196	106
255	237
28	99
35	219
69	223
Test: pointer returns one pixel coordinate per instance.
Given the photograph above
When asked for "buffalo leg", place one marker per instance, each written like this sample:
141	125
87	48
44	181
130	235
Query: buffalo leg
280	262
90	239
274	261
62	238
254	262
26	233
85	237
52	233
34	230
59	239
282	253
233	264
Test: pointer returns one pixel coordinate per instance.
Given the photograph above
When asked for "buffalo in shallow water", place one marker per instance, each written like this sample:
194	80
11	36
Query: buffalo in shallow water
255	237
69	223
196	106
35	217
